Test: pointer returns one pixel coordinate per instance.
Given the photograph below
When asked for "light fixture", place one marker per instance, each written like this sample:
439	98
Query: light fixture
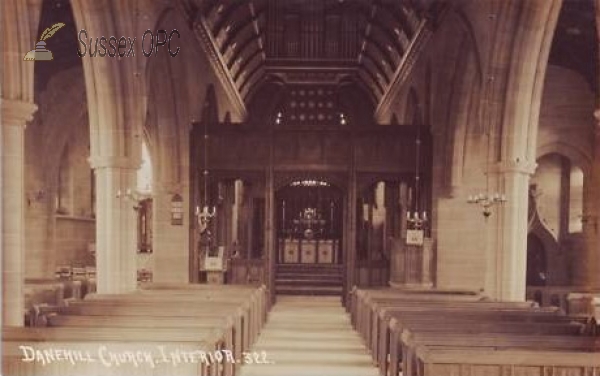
309	183
487	201
207	213
417	218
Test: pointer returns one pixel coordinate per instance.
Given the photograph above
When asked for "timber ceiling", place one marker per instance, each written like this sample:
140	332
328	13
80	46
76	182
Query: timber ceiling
311	41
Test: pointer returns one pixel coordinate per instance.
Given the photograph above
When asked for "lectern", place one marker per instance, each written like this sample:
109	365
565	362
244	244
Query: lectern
215	267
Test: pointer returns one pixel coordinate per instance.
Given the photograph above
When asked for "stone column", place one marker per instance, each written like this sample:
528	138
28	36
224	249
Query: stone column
15	114
116	230
507	261
171	242
586	268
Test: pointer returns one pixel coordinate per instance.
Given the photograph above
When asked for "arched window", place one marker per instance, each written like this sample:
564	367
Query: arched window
575	200
559	194
63	204
144	174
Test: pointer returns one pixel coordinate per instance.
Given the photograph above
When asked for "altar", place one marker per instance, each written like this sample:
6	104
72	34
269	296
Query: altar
308	251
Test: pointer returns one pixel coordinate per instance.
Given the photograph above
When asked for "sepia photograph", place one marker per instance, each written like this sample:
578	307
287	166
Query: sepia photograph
300	187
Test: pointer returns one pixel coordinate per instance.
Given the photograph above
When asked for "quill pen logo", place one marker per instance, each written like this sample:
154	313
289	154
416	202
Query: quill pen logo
41	53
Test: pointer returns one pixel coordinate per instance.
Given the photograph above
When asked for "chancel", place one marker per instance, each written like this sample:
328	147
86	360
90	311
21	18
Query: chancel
307	187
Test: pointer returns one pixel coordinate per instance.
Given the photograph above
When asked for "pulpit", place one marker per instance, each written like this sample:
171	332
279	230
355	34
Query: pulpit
411	263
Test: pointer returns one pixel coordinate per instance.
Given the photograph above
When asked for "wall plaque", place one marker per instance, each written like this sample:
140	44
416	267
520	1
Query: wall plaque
414	237
177	210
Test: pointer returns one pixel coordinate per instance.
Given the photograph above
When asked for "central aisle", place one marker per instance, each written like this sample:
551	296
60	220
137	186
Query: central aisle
310	336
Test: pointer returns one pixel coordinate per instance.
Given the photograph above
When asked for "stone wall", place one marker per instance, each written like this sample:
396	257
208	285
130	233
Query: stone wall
59	134
450	80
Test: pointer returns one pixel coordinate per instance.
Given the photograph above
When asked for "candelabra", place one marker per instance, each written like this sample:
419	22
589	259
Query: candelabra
487	201
417	220
134	196
309	223
205	215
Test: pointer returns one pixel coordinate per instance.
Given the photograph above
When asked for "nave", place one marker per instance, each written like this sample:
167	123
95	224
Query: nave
307	146
231	330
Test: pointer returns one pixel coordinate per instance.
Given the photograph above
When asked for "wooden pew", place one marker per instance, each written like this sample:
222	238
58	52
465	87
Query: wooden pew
183	310
486	317
70	288
222	301
253	319
381	313
227	316
186	305
477	326
98	350
261	294
361	312
232	338
358	296
500	361
39	293
368	320
396	326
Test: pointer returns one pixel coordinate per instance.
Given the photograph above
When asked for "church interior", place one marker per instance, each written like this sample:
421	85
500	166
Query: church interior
300	187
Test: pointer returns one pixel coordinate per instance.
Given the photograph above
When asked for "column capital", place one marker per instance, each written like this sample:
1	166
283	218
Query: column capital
517	166
16	112
107	161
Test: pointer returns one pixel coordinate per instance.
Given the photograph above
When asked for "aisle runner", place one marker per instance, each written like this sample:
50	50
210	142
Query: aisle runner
310	336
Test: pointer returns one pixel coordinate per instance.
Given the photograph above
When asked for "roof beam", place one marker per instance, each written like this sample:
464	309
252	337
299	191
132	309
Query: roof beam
209	45
255	16
419	40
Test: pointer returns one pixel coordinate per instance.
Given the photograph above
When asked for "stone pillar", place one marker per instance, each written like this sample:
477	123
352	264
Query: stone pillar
507	261
586	267
171	242
270	245
116	230
15	114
